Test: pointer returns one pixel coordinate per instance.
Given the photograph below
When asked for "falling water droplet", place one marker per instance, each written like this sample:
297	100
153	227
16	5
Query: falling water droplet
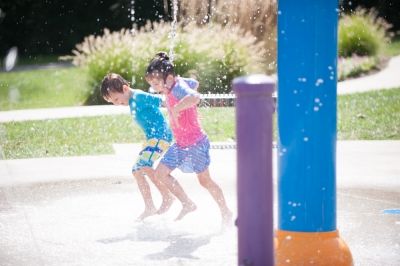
11	59
319	82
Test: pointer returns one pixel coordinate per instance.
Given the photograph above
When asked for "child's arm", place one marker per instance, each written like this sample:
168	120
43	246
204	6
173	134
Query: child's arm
187	102
187	97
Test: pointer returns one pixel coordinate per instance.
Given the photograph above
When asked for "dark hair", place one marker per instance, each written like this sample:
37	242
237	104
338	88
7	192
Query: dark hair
112	82
160	66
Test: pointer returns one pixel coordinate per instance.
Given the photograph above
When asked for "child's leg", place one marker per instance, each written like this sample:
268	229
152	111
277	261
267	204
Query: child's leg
163	174
216	192
144	188
167	198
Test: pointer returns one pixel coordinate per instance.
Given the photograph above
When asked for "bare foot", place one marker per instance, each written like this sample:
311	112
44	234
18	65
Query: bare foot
146	213
165	205
185	210
227	218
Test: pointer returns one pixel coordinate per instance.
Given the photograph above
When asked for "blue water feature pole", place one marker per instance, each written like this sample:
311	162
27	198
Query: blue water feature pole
307	83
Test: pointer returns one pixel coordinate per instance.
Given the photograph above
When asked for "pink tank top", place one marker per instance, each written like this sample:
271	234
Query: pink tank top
189	131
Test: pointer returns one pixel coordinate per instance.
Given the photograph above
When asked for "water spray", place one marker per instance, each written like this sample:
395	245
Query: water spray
11	59
172	34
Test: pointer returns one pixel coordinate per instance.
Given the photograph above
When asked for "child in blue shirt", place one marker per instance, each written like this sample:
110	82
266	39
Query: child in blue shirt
145	110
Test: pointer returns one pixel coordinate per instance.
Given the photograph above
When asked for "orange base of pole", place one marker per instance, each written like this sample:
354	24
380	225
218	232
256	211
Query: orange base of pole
311	248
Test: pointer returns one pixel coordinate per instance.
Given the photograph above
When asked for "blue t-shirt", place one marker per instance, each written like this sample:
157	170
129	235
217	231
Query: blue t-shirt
145	110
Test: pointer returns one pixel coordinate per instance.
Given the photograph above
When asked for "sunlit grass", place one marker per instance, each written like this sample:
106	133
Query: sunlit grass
67	137
369	116
364	116
219	123
43	88
94	135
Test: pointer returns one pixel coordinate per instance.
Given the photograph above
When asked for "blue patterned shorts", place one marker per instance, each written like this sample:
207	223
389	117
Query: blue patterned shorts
191	159
151	152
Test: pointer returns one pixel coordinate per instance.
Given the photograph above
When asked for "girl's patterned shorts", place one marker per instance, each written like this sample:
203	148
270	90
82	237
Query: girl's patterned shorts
152	150
194	158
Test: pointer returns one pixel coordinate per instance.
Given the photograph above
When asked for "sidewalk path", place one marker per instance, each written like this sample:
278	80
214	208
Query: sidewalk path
62	112
385	79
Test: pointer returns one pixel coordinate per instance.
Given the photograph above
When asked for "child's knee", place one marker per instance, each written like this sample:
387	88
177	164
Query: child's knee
205	181
162	171
138	174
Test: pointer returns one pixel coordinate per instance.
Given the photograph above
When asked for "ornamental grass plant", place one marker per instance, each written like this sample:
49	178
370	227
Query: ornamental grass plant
362	33
211	53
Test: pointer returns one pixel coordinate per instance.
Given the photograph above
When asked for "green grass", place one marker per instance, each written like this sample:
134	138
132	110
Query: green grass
43	88
369	116
364	116
67	137
94	135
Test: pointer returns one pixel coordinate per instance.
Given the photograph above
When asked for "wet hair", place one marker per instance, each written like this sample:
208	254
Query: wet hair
160	66
112	83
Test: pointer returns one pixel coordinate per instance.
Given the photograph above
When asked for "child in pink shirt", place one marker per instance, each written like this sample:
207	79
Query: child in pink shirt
190	152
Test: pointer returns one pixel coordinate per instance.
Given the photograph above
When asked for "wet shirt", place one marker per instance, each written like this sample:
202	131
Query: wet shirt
188	131
145	110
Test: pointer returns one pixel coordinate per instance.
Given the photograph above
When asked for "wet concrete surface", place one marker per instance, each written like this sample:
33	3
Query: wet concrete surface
92	221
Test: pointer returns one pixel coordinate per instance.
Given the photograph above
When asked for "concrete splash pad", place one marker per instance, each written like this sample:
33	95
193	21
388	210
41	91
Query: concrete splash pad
92	221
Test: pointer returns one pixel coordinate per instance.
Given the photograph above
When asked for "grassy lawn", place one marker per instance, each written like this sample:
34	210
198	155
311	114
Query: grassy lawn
67	137
369	116
373	115
94	135
43	88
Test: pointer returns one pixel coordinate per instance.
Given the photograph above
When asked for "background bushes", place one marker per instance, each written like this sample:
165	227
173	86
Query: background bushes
362	33
259	17
212	54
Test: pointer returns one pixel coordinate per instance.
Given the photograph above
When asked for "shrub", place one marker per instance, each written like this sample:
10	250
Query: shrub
211	53
100	55
362	33
255	16
354	66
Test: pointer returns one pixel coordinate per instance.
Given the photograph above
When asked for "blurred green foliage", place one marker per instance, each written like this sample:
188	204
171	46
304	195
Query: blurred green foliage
362	33
213	54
